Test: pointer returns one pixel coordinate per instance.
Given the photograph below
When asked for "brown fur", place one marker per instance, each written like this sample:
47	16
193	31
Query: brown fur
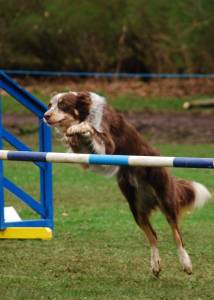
144	188
170	194
70	103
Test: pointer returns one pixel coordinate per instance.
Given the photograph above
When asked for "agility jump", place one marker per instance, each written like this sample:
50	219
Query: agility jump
117	160
11	226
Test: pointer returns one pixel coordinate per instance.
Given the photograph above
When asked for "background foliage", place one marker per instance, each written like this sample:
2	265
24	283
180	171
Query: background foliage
113	35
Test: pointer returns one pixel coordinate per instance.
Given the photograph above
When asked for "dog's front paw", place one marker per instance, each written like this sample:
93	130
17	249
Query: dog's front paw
84	129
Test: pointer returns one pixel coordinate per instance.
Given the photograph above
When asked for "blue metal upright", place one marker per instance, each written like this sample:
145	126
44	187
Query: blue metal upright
1	174
43	206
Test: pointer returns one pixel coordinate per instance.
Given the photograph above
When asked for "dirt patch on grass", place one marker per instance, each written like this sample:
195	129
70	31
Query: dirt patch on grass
152	88
181	127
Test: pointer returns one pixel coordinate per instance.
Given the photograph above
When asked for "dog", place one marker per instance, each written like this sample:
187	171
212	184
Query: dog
90	125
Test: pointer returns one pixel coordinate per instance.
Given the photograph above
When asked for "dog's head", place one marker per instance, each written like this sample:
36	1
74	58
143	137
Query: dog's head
66	109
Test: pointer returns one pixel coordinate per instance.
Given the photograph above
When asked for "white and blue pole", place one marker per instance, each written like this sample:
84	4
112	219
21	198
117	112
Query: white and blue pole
97	159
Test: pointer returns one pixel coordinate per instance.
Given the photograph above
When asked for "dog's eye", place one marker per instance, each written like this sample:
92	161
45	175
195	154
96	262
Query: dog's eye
49	105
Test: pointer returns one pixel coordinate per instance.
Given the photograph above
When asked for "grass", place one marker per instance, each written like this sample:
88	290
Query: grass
137	103
123	102
97	251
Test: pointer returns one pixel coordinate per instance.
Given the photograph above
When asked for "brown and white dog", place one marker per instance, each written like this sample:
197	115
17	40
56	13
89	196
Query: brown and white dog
89	125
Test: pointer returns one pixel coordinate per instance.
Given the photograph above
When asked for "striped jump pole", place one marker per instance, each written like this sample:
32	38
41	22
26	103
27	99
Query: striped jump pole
119	160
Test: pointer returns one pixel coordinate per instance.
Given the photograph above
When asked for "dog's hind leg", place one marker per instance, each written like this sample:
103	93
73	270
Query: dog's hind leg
152	238
142	220
182	253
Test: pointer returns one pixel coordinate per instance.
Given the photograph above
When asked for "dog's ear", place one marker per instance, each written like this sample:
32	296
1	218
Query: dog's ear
83	105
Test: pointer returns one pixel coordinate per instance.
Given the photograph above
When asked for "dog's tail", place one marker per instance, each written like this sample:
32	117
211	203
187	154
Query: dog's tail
191	195
202	195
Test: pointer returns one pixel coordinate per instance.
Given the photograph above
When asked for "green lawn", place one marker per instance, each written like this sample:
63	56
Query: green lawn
98	252
124	102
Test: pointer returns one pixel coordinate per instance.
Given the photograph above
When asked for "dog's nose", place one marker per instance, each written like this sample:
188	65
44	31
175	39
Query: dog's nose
47	116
